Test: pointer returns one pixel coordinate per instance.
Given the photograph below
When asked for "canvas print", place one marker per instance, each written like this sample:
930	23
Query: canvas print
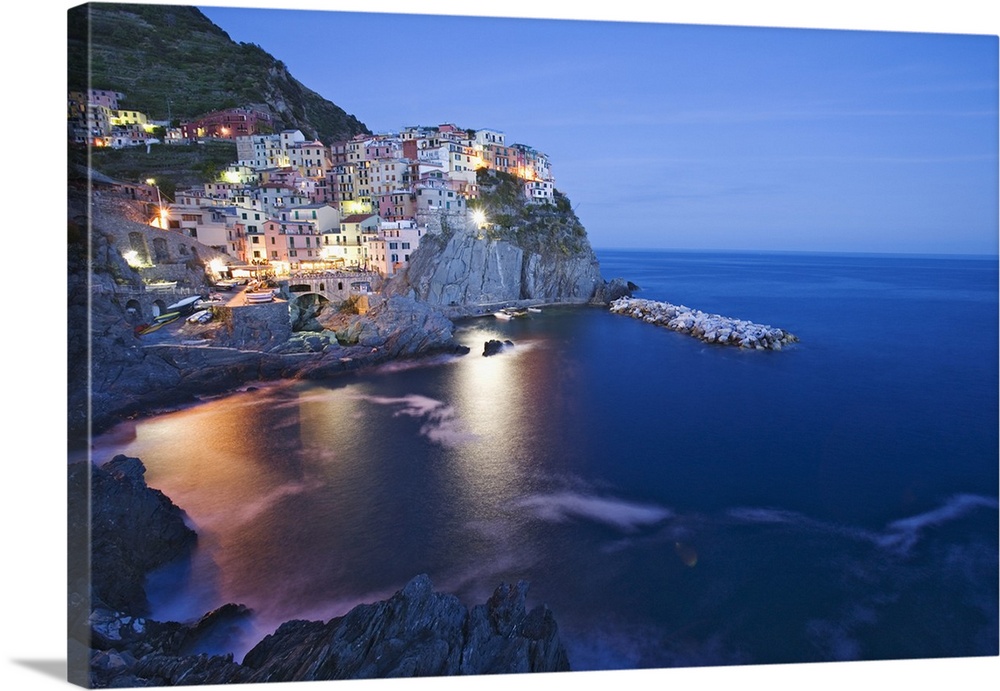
424	346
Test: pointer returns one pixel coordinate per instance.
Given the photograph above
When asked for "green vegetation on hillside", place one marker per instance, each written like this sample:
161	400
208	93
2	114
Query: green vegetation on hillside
172	62
172	166
531	225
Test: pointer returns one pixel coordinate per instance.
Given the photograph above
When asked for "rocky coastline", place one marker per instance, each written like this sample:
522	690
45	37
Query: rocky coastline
710	328
133	529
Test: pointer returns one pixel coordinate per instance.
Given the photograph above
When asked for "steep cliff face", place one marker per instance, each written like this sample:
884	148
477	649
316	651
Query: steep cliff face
522	251
464	269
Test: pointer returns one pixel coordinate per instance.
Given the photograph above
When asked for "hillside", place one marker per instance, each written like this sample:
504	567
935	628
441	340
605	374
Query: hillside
520	252
172	62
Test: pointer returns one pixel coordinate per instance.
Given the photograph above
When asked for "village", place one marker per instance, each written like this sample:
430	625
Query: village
292	206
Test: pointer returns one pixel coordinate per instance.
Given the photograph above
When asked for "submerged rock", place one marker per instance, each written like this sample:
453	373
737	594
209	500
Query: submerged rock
711	328
493	346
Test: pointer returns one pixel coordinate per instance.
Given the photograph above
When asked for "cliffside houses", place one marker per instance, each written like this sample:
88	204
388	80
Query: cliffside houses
294	204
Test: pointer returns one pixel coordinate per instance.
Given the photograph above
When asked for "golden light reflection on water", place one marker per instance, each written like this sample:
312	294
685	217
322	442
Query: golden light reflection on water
365	482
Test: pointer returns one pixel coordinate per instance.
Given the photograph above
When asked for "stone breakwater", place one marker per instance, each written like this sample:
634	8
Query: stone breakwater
711	328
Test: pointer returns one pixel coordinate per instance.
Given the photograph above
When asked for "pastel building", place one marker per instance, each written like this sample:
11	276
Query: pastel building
261	151
105	98
309	158
389	252
292	245
208	225
326	217
349	244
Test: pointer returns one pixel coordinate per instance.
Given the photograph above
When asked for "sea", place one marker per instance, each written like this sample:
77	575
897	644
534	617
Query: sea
674	503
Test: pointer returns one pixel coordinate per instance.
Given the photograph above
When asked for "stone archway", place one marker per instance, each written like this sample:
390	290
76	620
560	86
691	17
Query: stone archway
133	308
158	307
303	308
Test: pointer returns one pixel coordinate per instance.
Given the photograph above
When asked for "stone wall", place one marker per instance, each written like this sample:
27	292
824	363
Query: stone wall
258	327
173	255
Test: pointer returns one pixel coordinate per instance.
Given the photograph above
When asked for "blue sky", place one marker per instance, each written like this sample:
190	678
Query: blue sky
686	136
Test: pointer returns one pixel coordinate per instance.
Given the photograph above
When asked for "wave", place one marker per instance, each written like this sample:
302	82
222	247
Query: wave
618	513
441	424
899	535
904	533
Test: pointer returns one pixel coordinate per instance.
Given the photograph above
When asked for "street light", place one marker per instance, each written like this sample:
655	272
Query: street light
159	203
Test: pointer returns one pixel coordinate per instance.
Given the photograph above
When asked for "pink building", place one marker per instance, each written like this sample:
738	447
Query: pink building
291	245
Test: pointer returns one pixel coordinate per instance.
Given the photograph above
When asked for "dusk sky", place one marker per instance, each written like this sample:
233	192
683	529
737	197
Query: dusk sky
686	136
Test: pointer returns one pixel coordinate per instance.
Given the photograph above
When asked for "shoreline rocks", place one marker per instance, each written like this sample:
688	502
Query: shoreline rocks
416	632
710	328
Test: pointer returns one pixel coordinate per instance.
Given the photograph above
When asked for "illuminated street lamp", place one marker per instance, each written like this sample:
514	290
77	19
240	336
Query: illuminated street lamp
479	217
162	216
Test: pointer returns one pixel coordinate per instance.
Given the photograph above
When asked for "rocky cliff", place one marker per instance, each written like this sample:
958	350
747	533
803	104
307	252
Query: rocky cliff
522	251
416	632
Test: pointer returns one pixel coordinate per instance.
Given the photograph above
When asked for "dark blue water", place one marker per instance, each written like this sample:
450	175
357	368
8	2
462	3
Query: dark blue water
674	503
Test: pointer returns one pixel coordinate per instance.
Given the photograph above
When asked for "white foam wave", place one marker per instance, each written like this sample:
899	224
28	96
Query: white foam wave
904	533
899	535
624	515
441	424
404	365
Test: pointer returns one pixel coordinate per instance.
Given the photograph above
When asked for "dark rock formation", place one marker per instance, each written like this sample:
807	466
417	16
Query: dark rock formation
493	346
616	288
131	528
398	325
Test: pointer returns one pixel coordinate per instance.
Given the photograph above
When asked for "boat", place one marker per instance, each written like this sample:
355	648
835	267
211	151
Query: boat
200	317
161	285
166	317
264	296
510	313
535	310
185	305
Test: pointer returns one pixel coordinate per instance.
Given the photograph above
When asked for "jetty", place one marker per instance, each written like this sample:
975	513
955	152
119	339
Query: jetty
710	328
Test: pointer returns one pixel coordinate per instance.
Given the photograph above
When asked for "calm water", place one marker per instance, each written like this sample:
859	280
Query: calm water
674	503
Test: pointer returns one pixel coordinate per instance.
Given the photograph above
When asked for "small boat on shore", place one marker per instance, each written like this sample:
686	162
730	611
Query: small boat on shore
259	297
508	313
185	305
200	317
167	317
535	310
